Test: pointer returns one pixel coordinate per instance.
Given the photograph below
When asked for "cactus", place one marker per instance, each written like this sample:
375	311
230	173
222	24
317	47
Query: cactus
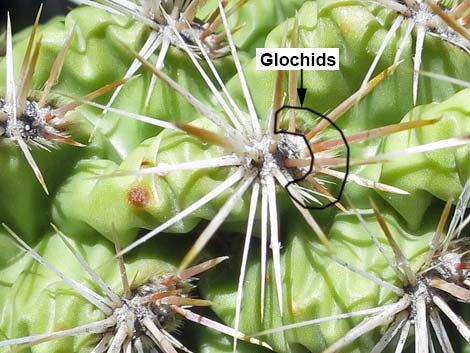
144	133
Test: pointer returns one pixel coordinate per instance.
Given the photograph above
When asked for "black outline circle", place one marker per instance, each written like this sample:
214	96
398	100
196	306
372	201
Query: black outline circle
312	157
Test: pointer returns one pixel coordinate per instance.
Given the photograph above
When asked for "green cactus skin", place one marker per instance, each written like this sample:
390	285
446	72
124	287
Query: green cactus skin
441	173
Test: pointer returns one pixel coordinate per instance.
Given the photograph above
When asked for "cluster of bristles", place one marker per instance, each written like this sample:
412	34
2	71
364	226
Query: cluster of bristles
171	22
427	17
184	17
421	295
30	125
141	319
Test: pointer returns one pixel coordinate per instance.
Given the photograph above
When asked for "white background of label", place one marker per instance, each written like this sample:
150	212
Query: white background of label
290	52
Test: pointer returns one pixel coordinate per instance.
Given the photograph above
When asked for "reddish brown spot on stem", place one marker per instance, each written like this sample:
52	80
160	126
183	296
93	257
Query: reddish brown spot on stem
138	196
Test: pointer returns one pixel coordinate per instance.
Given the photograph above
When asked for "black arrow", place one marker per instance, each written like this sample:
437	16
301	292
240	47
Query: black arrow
301	91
